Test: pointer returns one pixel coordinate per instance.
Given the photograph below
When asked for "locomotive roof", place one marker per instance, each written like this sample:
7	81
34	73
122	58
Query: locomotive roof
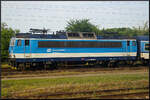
59	35
143	38
65	35
44	36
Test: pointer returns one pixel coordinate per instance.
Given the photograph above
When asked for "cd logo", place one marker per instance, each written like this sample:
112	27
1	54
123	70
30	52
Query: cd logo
49	50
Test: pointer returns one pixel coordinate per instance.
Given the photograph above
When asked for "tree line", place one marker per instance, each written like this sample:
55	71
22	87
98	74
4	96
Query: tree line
78	25
84	25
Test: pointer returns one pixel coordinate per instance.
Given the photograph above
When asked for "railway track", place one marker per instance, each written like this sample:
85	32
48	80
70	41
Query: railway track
8	70
68	72
120	96
94	94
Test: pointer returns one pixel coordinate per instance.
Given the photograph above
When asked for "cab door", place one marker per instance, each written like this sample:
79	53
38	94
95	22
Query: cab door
133	48
128	49
27	48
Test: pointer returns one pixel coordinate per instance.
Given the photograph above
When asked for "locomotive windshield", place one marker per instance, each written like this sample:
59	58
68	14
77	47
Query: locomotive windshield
12	42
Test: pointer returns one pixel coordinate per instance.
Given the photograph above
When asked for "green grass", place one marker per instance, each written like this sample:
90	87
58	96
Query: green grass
73	80
5	65
11	88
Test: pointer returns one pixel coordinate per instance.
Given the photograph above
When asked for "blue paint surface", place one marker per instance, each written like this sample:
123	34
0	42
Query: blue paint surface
33	48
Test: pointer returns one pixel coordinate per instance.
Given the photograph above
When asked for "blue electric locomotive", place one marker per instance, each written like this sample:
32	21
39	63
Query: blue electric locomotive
72	47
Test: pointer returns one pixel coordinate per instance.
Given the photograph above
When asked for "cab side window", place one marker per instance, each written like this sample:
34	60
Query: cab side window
19	42
26	42
134	43
146	46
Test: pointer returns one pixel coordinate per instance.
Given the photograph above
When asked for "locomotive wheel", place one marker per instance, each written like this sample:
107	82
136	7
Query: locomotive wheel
115	64
19	67
54	65
105	64
145	62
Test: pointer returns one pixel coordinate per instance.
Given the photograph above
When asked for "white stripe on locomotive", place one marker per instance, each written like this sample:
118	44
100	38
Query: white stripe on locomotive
60	55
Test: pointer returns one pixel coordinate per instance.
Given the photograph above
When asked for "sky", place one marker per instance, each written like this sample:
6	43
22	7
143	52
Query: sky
54	15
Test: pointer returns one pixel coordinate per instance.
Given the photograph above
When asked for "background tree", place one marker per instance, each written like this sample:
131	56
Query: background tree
126	31
81	25
118	32
6	34
142	30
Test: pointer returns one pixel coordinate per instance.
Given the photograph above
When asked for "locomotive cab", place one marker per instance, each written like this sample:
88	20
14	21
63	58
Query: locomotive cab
144	50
